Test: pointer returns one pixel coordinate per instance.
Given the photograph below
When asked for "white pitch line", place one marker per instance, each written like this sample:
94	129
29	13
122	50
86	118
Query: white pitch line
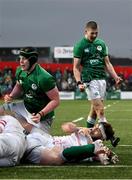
107	106
78	119
79	166
125	145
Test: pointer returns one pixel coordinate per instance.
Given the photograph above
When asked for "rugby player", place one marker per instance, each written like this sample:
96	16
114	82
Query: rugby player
37	88
91	61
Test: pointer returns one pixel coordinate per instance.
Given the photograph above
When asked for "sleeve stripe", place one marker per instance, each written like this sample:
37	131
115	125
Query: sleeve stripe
2	122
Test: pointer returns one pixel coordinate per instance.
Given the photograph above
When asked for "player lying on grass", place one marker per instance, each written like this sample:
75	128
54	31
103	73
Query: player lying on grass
12	141
45	149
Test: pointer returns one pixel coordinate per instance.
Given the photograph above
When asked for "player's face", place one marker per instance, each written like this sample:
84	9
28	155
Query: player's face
96	133
91	34
24	63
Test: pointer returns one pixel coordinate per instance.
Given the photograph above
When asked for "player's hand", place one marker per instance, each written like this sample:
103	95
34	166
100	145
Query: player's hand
118	80
36	117
7	98
69	127
84	131
81	87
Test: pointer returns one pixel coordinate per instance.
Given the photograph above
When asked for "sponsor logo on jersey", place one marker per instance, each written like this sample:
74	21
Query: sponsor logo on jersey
94	61
96	93
86	50
99	48
20	81
34	86
29	96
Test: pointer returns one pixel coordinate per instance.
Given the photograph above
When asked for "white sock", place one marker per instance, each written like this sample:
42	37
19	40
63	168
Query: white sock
103	119
91	120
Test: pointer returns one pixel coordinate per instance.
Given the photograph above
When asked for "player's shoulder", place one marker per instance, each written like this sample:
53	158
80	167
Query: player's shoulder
18	71
43	74
80	42
100	41
7	118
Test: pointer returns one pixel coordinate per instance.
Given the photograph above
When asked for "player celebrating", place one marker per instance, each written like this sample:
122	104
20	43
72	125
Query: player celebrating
37	88
92	54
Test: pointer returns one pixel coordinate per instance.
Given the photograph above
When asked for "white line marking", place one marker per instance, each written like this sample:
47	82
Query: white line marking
78	119
88	166
107	106
125	145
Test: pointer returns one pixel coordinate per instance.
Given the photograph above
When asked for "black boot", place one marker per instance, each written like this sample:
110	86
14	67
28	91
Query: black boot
114	141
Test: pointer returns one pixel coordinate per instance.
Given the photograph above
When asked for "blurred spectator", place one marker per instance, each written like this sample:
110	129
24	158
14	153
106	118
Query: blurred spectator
65	81
6	80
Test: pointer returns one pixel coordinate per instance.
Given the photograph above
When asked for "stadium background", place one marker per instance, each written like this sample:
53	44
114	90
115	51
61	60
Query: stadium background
47	24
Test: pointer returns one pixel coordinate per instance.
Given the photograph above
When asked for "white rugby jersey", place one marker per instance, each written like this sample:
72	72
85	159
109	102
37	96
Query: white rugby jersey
9	124
75	139
48	141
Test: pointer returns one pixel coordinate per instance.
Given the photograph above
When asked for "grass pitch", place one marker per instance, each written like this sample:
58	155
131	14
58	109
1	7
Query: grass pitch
119	113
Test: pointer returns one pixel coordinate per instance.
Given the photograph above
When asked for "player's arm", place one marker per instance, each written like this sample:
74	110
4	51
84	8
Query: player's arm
2	125
53	95
76	69
77	73
16	92
111	70
51	156
69	127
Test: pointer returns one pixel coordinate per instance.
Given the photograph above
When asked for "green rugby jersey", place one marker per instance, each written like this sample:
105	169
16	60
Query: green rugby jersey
92	58
34	87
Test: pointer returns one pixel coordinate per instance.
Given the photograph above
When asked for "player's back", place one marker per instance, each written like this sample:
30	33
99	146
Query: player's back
11	125
75	139
12	141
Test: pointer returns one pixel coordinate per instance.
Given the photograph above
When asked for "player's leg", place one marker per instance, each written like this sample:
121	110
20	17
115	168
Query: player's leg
95	91
98	91
51	156
99	109
44	156
91	117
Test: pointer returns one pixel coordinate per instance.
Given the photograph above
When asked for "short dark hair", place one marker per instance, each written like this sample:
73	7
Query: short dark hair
92	25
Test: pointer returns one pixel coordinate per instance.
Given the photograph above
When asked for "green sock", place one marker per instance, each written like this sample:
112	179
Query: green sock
89	125
90	122
78	153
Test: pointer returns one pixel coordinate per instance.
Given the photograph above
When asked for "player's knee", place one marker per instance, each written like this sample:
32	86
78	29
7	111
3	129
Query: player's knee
99	109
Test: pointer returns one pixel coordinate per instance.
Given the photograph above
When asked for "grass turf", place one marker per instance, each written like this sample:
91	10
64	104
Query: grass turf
118	113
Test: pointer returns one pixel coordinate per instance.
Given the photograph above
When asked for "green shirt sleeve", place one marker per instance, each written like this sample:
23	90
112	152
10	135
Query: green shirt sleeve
77	51
48	83
105	51
18	71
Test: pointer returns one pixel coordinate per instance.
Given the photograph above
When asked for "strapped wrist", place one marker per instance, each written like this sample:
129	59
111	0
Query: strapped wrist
79	82
41	113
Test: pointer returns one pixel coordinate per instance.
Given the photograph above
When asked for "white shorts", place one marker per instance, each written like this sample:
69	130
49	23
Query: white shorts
96	89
